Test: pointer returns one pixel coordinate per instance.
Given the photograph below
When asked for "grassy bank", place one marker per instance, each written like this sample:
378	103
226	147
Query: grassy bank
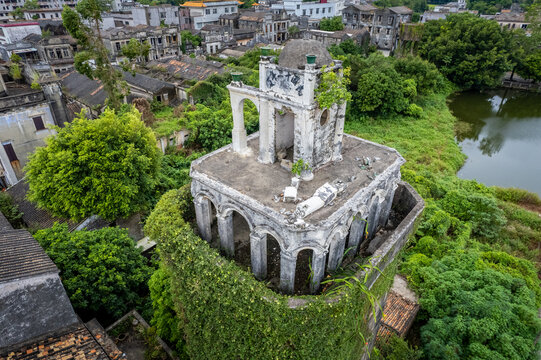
474	260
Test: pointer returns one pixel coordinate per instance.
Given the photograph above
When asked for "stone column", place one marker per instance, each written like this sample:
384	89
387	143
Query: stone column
225	230
336	252
356	233
288	263
340	114
375	211
204	219
240	144
258	256
318	269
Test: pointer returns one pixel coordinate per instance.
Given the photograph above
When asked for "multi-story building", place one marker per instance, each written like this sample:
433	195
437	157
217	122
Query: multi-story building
164	41
53	7
207	12
12	33
382	24
158	15
311	9
216	37
269	27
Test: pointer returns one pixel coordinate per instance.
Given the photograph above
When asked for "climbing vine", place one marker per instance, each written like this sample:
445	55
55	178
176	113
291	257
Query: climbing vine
332	88
227	314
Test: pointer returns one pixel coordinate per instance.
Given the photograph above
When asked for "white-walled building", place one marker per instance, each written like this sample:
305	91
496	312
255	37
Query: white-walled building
12	33
207	12
312	9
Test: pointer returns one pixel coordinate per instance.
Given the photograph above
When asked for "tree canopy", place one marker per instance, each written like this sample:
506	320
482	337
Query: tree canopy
102	271
331	24
471	51
104	167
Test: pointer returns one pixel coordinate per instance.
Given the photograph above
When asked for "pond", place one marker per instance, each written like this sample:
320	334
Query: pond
500	132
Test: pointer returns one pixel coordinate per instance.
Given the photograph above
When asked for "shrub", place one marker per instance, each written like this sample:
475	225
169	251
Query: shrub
414	110
102	271
11	211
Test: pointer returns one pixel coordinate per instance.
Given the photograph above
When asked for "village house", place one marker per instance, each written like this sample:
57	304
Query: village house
165	42
382	24
12	33
328	38
157	15
269	26
216	38
208	12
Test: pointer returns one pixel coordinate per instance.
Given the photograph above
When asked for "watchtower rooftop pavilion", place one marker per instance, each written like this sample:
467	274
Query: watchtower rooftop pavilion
343	196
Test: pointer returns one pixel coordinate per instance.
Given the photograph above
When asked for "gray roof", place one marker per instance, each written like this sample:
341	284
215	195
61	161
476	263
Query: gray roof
22	257
32	216
402	10
4	223
187	68
146	82
89	92
293	55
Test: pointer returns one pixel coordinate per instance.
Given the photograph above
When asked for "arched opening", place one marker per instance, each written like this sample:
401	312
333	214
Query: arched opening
303	271
214	226
273	262
284	133
324	119
241	237
251	116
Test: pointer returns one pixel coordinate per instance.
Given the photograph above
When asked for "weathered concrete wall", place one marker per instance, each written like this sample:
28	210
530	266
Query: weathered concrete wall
32	307
17	128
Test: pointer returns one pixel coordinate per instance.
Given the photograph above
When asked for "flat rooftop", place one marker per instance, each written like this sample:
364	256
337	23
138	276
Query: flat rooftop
263	182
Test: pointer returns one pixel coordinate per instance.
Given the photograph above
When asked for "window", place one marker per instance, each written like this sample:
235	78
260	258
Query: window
390	21
66	53
317	11
311	11
117	45
232	9
8	148
214	11
323	10
38	123
298	7
379	18
388	31
226	10
304	12
207	11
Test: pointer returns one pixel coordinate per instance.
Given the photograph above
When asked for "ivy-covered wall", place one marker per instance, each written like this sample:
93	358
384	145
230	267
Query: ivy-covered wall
227	314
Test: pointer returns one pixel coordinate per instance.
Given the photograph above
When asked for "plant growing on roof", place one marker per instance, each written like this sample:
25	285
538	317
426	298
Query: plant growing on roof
299	166
332	88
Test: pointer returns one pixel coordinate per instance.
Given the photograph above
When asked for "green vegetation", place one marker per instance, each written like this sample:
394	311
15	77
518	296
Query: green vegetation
187	37
332	88
10	211
135	49
471	51
106	167
92	59
331	24
225	313
102	271
417	6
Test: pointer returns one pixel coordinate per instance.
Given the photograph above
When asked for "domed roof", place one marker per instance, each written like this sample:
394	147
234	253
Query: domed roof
293	55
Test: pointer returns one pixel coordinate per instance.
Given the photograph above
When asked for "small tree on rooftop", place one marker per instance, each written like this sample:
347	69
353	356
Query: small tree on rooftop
106	167
93	59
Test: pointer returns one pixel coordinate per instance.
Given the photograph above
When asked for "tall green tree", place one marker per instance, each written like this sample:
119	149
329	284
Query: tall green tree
472	52
106	167
83	24
135	49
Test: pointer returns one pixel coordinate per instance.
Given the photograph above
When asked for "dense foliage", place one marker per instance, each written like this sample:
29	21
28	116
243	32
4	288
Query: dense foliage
10	211
226	313
383	85
102	271
104	167
471	51
331	24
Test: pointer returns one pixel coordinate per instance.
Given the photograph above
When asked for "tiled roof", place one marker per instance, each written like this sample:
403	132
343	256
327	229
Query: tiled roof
32	216
399	315
4	223
22	257
75	343
403	10
190	69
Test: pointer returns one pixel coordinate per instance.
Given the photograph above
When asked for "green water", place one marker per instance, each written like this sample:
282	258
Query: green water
500	132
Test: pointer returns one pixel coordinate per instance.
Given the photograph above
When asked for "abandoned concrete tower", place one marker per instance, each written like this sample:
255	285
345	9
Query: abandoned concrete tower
250	204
